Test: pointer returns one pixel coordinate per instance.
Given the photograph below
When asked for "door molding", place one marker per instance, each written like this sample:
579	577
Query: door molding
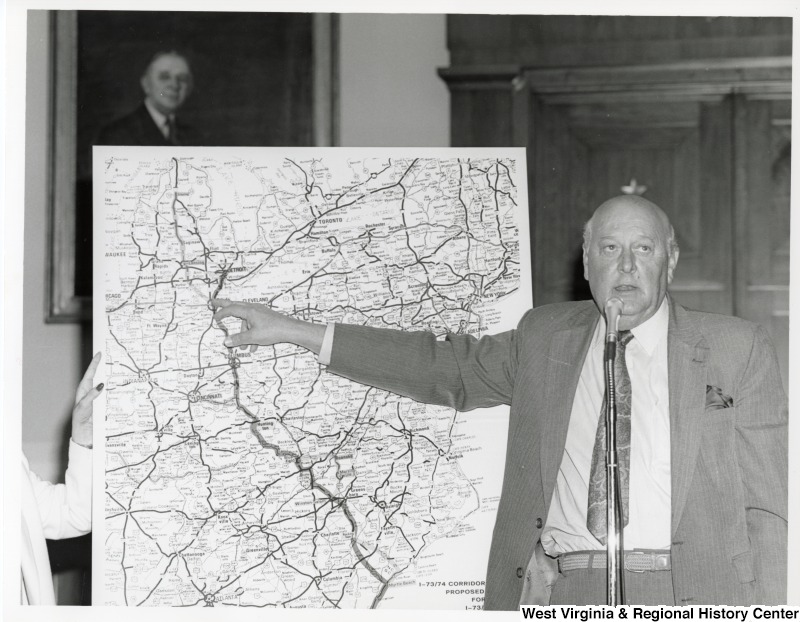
768	78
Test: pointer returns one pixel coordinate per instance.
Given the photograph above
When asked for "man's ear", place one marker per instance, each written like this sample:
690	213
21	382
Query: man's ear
585	263
672	262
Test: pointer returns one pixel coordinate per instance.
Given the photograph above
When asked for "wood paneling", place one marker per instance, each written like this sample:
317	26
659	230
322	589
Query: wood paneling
567	40
482	116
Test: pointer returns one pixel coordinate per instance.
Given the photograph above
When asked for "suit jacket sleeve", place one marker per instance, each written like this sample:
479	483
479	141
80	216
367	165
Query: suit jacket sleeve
460	371
66	509
762	455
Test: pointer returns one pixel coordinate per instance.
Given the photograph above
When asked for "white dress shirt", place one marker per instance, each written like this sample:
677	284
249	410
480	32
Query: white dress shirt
649	487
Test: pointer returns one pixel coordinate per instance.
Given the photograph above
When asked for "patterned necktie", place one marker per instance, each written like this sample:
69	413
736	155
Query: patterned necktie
596	513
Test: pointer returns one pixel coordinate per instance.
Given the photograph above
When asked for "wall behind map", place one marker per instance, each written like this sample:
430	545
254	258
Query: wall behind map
390	93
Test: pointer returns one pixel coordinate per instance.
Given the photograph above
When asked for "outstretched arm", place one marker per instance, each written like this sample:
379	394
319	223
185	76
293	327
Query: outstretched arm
461	372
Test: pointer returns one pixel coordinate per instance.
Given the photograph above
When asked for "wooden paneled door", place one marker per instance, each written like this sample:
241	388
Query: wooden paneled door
708	141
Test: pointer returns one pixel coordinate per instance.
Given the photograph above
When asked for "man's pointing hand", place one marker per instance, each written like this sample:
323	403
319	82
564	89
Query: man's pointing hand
261	326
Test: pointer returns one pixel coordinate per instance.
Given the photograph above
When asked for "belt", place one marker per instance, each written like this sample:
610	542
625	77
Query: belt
635	561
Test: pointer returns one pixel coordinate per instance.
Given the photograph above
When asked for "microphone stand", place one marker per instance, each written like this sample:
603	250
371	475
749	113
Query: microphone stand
615	564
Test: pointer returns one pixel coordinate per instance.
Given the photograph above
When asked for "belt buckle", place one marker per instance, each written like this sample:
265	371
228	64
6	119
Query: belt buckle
639	554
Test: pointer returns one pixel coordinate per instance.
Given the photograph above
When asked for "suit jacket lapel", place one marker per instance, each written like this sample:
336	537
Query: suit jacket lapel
687	353
568	349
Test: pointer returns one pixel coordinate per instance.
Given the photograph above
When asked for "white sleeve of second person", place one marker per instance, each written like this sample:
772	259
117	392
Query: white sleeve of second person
324	357
66	509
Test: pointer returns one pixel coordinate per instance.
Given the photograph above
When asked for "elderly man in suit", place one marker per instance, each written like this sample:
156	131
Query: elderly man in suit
703	459
166	82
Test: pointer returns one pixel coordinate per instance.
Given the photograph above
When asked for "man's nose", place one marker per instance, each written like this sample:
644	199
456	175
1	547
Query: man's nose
627	261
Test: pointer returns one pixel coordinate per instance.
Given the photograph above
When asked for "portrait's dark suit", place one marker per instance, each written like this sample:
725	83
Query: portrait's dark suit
139	129
728	464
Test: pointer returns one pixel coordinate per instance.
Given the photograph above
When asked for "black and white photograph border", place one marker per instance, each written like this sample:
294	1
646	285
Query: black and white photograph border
25	337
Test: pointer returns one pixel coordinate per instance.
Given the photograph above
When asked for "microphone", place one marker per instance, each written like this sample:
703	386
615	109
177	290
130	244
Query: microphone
615	526
613	311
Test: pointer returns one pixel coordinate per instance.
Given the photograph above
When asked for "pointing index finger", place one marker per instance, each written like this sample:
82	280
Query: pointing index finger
219	302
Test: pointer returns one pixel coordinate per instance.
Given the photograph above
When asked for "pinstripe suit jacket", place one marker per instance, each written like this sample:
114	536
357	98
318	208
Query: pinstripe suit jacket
728	465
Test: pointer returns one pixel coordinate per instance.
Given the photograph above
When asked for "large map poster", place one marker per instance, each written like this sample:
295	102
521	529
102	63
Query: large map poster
233	477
